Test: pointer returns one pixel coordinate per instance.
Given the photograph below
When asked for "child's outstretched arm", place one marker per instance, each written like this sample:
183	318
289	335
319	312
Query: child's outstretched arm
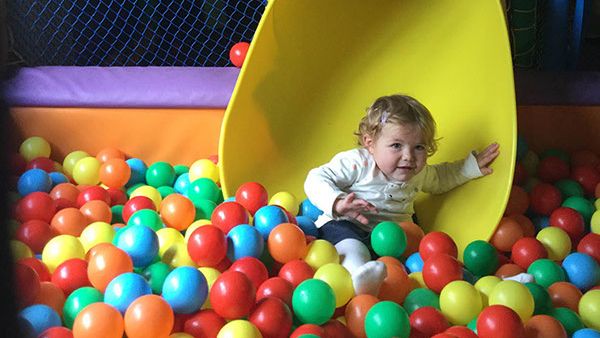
486	157
353	207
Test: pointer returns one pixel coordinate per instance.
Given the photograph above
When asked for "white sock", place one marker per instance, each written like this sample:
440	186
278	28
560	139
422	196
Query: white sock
522	278
367	275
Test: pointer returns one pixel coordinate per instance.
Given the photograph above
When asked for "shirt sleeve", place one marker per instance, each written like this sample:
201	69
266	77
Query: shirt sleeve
326	183
443	177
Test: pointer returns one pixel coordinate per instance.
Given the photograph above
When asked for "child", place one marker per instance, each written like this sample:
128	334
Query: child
379	181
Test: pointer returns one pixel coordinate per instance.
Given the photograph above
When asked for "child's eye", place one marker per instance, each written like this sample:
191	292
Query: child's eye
420	147
396	145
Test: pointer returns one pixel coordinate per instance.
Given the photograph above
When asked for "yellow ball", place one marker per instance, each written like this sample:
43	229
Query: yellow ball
556	241
417	280
60	249
589	309
87	171
239	328
460	302
515	296
194	226
340	281
211	275
20	250
285	200
321	252
33	147
204	168
177	255
595	221
166	238
71	159
485	285
150	192
96	233
180	335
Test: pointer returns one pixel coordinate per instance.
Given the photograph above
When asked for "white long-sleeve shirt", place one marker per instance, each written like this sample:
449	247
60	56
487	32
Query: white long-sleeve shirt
355	171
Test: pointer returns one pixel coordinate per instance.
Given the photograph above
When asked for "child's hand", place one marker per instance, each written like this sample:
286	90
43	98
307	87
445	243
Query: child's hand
353	207
486	157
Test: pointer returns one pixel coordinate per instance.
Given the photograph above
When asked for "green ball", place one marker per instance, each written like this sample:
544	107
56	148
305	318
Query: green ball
582	206
77	300
117	213
569	319
546	272
204	208
165	191
563	155
159	174
421	297
387	319
156	274
313	302
480	258
388	239
147	217
541	299
472	325
131	189
203	189
181	169
568	188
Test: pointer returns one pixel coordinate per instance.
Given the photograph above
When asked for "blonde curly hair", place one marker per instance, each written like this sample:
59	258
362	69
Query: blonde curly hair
398	109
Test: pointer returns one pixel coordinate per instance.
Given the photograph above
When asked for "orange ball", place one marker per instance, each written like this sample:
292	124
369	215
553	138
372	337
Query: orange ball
518	201
177	211
69	221
114	173
96	211
51	295
387	260
106	262
526	225
356	311
506	234
286	243
98	320
508	270
149	316
565	294
414	234
109	153
544	326
396	286
66	191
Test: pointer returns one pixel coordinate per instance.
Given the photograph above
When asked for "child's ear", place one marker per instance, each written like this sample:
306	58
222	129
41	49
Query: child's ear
367	142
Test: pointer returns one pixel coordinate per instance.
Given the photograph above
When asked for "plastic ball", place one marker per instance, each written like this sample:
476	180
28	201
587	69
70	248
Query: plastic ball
526	251
485	285
541	298
77	301
308	331
569	319
204	168
34	146
38	266
518	201
177	255
252	195
244	241
140	243
589	309
150	192
91	193
427	321
460	332
581	270
568	188
40	317
515	296
586	175
106	262
237	53
507	233
71	275
34	180
160	174
60	249
286	200
19	249
114	173
69	221
414	262
185	289
35	234
564	294
439	270
182	183
96	233
207	245
239	328
253	268
124	289
570	221
146	217
499	321
552	168
56	332
356	311
204	323
296	272
586	333
437	242
480	258
272	317
177	211
233	295
313	302
556	241
267	218
414	235
27	284
71	159
460	302
286	242
58	178
388	239
544	326
138	171
583	206
395	286
108	153
340	281
276	287
546	272
36	205
420	297
87	171
387	319
309	210
149	316
590	244
229	214
321	252
544	198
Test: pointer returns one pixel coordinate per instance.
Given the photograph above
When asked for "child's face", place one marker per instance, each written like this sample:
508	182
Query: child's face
399	151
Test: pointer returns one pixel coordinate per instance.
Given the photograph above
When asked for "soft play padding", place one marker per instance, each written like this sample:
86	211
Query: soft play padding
314	66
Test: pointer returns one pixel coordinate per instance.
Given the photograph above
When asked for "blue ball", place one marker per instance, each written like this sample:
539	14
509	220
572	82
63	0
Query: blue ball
414	262
267	218
185	289
182	183
58	178
139	242
307	225
586	333
581	270
230	199
124	289
310	210
138	171
540	222
34	180
41	317
244	240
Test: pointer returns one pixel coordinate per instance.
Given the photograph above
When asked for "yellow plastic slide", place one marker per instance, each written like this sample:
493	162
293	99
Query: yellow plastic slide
314	66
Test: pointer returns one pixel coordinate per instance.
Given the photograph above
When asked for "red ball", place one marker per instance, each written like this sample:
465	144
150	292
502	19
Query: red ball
590	244
439	270
232	295
272	317
427	321
296	272
552	169
460	331
27	284
570	220
520	176
584	157
518	201
35	234
71	275
252	195
204	323
437	242
43	163
207	245
276	287
94	192
56	332
229	214
136	203
588	176
335	329
36	205
499	321
526	251
38	266
117	196
237	53
17	164
253	268
308	329
544	198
